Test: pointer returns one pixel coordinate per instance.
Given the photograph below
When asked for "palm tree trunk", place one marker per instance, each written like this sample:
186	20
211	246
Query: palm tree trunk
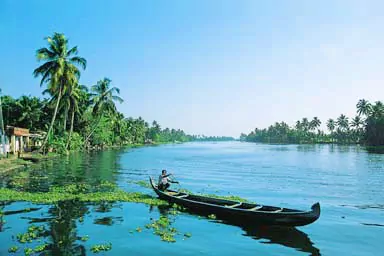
52	121
71	130
65	119
93	130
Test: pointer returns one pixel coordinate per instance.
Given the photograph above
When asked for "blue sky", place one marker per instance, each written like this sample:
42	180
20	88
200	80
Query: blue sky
209	67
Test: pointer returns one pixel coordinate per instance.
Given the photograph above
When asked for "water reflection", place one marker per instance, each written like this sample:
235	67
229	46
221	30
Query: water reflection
286	236
375	150
63	229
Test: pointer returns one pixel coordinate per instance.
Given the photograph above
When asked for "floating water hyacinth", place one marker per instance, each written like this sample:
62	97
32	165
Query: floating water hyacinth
101	247
13	249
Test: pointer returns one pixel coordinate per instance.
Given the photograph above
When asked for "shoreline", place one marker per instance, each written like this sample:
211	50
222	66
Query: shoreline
13	163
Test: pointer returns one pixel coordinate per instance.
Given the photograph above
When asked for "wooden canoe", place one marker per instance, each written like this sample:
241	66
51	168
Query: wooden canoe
232	210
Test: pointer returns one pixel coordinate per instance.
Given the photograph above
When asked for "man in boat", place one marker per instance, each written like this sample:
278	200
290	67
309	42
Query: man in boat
164	180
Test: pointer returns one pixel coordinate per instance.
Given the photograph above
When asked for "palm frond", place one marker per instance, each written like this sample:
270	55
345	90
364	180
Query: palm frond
117	98
72	51
117	90
44	68
80	61
45	54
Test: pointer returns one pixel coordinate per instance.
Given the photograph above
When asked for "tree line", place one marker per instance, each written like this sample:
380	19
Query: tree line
76	116
367	127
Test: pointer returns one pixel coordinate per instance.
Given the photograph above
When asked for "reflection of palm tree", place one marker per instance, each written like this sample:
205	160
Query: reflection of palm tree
63	228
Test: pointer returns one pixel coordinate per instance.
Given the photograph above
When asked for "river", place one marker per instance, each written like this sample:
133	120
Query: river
346	180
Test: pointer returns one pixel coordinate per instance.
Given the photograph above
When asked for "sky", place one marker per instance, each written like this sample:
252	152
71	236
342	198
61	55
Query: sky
212	67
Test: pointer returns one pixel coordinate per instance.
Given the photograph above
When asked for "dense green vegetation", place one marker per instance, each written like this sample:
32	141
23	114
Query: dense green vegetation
75	116
367	127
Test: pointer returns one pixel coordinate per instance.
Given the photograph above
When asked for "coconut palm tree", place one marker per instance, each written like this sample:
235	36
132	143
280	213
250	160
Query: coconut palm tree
356	123
315	123
30	111
103	97
343	126
374	128
71	99
331	125
377	110
363	107
342	122
59	70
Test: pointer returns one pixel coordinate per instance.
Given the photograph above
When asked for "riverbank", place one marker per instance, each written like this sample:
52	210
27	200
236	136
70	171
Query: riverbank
13	163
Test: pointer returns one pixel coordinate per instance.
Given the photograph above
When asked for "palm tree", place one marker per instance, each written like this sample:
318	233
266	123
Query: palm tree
343	126
374	128
72	98
315	123
377	110
30	110
59	70
356	123
103	98
342	122
331	125
298	125
305	124
363	107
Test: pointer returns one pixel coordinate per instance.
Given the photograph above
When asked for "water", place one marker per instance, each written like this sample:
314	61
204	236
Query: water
346	180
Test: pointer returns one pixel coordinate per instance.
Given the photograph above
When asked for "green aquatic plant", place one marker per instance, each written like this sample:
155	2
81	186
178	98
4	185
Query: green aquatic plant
28	251
162	228
142	183
13	249
84	238
212	216
40	248
178	207
101	247
71	193
33	233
